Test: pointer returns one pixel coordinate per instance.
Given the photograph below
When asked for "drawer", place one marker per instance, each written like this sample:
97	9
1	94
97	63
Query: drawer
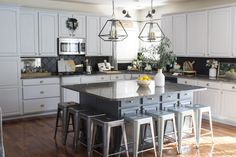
151	100
186	102
164	106
169	97
186	95
135	76
70	80
40	81
131	110
209	84
187	81
41	105
127	76
130	103
88	79
117	77
229	86
42	91
151	107
103	78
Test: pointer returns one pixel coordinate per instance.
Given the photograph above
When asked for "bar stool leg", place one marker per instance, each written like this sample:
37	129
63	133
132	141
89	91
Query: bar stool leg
65	116
106	140
125	139
175	133
211	127
161	127
57	121
194	128
77	130
92	141
198	122
180	120
153	138
89	133
136	133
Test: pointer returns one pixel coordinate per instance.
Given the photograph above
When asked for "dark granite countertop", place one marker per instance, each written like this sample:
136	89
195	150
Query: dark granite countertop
121	90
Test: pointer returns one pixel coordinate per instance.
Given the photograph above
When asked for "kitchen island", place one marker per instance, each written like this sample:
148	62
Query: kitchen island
122	97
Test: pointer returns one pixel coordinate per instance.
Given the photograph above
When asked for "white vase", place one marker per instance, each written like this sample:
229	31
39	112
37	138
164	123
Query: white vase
212	72
159	78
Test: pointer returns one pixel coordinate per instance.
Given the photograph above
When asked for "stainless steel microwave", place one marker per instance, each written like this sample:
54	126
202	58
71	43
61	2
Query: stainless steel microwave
71	46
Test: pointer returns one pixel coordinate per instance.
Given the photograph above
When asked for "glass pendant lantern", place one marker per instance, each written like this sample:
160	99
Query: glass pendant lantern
113	30
151	31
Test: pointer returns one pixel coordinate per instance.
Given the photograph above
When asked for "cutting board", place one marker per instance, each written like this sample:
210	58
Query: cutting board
70	65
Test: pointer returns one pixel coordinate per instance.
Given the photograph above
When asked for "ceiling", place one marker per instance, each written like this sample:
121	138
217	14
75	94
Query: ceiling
131	4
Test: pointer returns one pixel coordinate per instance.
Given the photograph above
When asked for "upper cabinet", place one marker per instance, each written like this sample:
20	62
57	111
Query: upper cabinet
28	32
65	32
179	34
95	46
197	34
8	31
220	32
166	26
48	33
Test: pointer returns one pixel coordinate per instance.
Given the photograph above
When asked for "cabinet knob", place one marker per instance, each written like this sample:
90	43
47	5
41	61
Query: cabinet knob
102	78
131	101
150	98
117	77
42	105
207	84
41	81
41	92
233	87
169	96
185	82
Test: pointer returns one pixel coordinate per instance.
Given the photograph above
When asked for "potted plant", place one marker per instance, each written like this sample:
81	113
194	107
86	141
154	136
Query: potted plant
159	56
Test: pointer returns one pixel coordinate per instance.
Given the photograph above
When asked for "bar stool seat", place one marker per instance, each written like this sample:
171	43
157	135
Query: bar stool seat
138	119
62	112
199	110
161	117
180	114
107	123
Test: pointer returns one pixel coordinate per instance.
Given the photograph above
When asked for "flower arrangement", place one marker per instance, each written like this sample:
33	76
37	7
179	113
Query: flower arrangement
159	56
212	63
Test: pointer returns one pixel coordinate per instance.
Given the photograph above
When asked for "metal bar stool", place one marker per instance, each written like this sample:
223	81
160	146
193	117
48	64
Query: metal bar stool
62	112
107	123
199	110
138	119
86	116
73	114
180	114
161	118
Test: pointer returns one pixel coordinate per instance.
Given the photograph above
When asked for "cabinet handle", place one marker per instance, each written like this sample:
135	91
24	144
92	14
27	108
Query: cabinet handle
207	84
41	92
233	87
186	94
169	96
41	81
150	98
102	78
131	101
117	77
42	105
185	82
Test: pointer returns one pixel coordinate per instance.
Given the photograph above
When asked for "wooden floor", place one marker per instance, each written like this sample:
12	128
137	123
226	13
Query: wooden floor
34	138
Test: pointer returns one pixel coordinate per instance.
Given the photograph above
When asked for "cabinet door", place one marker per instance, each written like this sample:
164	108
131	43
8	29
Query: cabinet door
211	97
8	32
228	104
9	70
93	41
10	101
28	33
48	30
63	30
197	33
179	34
81	30
106	46
220	33
167	28
70	95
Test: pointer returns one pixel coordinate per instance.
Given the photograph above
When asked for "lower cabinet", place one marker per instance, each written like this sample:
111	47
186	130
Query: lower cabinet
228	105
70	95
10	101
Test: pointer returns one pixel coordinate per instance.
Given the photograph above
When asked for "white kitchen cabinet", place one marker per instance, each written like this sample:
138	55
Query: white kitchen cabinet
80	32
28	32
228	105
48	33
8	31
220	32
167	28
93	41
106	46
197	34
179	34
70	95
9	70
10	101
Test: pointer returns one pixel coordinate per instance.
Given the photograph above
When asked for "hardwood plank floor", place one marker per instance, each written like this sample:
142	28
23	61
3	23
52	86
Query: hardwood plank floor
34	138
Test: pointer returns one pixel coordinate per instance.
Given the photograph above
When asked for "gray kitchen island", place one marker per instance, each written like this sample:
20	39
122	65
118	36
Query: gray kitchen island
122	97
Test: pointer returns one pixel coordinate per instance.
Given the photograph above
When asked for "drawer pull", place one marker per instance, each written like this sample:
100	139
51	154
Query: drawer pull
131	101
117	77
42	105
169	96
41	81
186	94
185	82
150	98
207	84
41	92
233	87
102	78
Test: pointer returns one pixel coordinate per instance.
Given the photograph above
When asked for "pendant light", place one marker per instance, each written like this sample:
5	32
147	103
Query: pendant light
109	32
151	32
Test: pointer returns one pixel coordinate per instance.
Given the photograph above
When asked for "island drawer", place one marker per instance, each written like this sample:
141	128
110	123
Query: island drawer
70	80
209	84
40	81
169	97
151	100
164	106
103	78
127	111
229	86
185	95
117	77
130	103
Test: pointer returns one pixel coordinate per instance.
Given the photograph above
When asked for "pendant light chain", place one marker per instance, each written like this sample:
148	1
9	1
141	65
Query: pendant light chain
113	9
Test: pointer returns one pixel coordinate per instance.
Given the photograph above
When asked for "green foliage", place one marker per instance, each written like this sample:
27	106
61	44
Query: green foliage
159	55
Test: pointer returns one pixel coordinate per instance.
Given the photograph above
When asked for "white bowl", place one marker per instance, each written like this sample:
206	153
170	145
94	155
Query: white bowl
143	83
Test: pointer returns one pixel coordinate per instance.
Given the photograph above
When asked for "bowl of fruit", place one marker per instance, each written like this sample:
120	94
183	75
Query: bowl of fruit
144	81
